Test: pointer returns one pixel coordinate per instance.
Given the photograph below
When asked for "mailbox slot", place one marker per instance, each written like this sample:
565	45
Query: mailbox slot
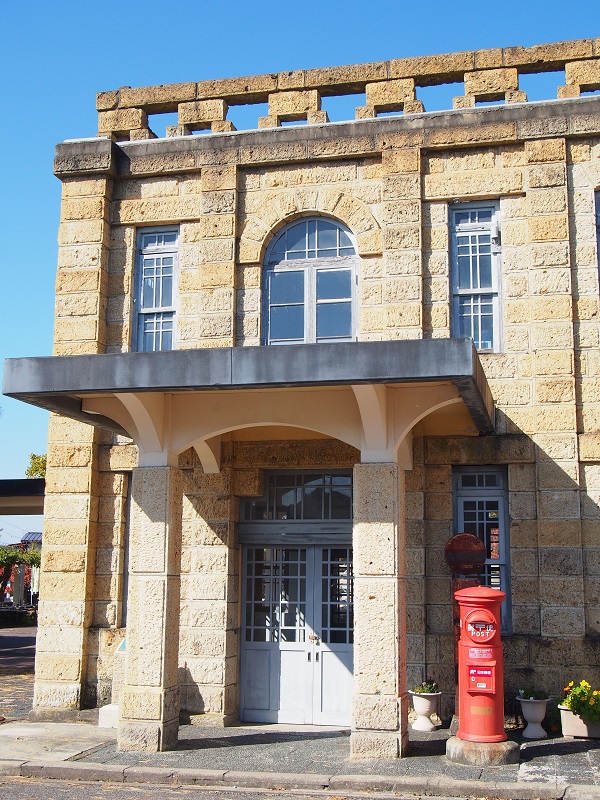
481	627
482	678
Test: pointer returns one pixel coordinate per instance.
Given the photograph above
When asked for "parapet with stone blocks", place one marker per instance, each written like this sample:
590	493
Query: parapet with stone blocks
388	86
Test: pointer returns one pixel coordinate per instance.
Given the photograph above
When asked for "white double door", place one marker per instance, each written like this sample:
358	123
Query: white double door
297	637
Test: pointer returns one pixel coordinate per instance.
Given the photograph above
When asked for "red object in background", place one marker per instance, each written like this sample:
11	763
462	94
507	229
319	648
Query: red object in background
480	666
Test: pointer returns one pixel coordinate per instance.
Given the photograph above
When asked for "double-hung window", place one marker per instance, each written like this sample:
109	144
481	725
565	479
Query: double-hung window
475	273
309	282
480	508
156	284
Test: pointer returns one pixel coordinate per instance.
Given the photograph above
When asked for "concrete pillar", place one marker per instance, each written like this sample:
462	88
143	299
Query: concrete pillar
380	717
149	702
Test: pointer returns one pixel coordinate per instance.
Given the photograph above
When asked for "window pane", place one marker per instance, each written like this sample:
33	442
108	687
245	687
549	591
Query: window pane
296	237
313	503
334	320
287	322
312	234
486	337
464	272
278	251
485	271
167	340
327	236
286	287
166	299
465	318
341	503
345	240
333	284
148	292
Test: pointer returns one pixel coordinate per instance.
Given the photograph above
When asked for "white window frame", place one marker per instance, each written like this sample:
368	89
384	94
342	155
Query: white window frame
481	493
476	293
597	216
145	249
310	267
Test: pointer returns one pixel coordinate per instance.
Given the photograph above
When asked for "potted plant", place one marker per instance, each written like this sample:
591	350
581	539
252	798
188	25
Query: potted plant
580	711
533	706
425	696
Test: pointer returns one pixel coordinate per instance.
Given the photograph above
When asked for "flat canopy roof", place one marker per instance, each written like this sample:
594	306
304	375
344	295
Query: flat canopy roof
22	496
59	383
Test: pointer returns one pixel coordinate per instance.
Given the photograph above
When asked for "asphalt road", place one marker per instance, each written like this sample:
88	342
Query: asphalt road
17	649
35	789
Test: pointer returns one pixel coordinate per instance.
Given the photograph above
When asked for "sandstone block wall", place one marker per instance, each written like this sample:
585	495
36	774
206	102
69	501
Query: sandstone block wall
392	182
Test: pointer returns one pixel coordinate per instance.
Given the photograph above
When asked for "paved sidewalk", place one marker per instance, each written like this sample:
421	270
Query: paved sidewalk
278	756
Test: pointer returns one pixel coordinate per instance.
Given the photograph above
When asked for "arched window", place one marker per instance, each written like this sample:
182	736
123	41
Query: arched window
309	280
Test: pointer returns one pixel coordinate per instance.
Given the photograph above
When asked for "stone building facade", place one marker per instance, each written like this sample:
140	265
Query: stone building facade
290	363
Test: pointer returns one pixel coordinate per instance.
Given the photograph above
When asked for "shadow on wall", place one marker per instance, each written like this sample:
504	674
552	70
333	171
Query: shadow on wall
554	521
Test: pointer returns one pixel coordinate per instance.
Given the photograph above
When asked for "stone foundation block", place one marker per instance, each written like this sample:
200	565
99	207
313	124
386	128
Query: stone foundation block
378	744
375	713
482	754
144	737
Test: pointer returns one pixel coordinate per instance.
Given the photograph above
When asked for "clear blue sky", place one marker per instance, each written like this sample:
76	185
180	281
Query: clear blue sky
55	56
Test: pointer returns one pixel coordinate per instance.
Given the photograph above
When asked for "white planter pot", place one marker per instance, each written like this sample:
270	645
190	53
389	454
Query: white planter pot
574	726
534	712
424	705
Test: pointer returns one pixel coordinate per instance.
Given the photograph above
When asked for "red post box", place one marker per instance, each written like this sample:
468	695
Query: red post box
480	666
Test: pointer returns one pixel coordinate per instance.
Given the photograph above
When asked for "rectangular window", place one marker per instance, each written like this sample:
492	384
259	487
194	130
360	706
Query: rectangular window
475	271
309	495
481	508
156	288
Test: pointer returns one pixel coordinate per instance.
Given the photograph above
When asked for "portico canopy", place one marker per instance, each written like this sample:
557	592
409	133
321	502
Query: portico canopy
369	394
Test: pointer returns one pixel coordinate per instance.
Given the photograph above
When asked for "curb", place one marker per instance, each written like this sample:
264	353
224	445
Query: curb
113	773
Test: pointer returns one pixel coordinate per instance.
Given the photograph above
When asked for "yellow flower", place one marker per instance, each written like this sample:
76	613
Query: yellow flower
585	685
592	701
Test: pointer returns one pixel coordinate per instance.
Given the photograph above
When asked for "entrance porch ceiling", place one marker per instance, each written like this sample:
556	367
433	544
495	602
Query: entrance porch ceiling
169	401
